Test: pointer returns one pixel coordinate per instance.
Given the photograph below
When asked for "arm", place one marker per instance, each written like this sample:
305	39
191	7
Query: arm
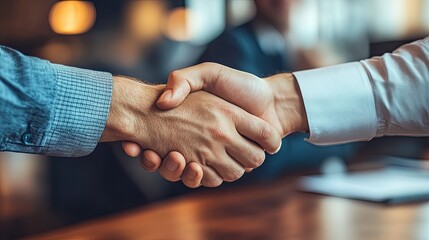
350	102
49	108
380	96
58	110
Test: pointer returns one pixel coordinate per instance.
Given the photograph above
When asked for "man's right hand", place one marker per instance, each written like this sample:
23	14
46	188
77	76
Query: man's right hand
222	138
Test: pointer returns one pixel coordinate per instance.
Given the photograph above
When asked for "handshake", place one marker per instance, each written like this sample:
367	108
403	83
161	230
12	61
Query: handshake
209	124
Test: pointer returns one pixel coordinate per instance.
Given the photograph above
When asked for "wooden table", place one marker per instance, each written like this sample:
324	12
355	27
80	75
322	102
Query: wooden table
270	211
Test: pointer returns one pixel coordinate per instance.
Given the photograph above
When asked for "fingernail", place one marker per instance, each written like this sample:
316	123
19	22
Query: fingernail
278	149
172	165
166	96
191	174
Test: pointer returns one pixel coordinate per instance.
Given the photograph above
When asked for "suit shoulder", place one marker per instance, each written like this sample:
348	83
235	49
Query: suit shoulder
236	34
234	48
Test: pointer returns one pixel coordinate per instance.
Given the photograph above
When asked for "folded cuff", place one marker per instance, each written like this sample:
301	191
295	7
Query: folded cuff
339	103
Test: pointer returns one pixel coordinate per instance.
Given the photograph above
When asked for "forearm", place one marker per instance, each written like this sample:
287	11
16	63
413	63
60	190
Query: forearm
400	84
358	101
50	109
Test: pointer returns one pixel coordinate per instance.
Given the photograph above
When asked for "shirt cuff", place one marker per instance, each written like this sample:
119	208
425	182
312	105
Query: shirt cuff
81	107
339	103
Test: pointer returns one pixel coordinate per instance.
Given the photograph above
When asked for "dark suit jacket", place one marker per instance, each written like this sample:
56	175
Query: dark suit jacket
238	48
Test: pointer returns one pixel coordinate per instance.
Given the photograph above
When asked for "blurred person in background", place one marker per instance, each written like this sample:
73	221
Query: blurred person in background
263	47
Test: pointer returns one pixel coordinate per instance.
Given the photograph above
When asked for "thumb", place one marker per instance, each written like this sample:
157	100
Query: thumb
182	82
174	93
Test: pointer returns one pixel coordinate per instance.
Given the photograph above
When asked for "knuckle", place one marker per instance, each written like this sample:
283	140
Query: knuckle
218	133
265	132
226	109
204	156
174	75
214	70
218	109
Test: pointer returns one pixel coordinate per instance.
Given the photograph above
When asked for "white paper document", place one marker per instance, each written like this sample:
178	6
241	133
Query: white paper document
390	184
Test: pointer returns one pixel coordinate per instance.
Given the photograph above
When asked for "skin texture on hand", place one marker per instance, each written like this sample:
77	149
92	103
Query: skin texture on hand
205	129
276	99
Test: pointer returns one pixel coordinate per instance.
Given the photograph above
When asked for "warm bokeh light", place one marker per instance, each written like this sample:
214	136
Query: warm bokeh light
72	17
146	18
177	27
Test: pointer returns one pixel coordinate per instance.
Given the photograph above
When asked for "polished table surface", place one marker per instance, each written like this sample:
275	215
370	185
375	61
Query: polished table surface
264	211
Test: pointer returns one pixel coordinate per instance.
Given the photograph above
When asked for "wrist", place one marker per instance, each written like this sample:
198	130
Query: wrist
130	103
288	103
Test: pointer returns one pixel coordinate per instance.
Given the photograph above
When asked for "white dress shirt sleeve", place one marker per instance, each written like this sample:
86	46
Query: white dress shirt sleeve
380	96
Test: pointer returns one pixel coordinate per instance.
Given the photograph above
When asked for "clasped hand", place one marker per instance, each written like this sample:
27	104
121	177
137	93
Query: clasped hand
204	140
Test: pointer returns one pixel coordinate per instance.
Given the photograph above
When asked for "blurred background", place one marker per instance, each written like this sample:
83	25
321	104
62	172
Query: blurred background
149	38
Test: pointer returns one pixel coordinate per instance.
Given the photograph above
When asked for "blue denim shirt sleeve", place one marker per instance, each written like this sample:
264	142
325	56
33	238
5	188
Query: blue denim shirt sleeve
50	109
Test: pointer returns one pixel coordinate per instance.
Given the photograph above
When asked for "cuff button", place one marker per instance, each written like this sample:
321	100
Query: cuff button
27	138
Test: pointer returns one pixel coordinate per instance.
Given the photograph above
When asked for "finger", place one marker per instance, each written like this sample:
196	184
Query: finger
192	175
227	167
174	93
173	166
211	177
248	154
150	161
182	82
132	149
258	131
249	169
